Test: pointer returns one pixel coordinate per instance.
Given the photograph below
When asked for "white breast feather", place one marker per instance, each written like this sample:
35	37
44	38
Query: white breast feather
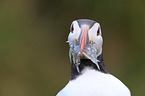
95	83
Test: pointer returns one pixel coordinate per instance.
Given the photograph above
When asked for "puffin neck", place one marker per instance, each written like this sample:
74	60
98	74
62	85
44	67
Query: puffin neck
87	63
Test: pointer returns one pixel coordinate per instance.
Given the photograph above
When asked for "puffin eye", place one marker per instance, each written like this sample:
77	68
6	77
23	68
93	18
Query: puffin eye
71	28
98	31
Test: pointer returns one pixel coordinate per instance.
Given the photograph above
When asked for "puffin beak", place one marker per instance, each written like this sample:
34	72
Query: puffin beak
83	39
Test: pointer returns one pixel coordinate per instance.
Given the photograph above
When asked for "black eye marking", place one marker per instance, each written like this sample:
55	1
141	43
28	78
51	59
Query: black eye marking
98	31
71	28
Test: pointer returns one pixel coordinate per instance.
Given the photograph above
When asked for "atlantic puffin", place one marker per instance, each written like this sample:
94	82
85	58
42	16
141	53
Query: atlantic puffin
89	76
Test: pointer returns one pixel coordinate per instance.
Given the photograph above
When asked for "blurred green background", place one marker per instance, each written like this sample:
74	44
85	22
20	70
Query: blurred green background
34	57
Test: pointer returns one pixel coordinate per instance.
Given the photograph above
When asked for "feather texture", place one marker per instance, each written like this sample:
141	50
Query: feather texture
94	83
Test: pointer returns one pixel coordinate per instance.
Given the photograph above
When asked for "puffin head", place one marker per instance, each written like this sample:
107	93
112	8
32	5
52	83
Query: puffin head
85	41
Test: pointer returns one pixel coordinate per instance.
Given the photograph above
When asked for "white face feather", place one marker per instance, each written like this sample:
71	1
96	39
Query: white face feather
96	38
92	33
76	32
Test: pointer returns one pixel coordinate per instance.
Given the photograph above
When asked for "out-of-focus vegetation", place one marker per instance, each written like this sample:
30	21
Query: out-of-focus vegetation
33	51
